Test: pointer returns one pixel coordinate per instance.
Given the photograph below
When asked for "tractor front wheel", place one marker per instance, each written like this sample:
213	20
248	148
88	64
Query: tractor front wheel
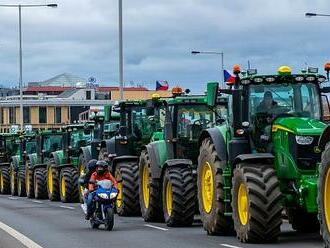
256	203
69	185
13	180
40	191
29	187
4	180
127	203
179	196
323	197
82	171
21	191
150	191
53	183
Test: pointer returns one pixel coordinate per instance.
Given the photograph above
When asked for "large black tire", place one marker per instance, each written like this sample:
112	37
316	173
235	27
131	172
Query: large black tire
179	196
212	205
4	180
29	186
13	180
110	219
69	191
323	195
40	187
150	199
127	204
53	182
302	221
260	218
81	171
21	191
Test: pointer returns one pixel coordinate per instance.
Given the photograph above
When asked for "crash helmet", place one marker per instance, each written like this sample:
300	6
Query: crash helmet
101	167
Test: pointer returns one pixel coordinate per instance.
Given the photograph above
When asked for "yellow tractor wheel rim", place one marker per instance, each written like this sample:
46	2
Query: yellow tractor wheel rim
169	198
326	199
27	182
50	180
1	181
242	203
145	186
81	172
12	179
63	193
207	187
119	200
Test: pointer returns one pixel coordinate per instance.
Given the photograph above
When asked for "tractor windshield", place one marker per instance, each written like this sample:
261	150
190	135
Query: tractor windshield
31	147
52	143
80	138
140	126
12	146
299	99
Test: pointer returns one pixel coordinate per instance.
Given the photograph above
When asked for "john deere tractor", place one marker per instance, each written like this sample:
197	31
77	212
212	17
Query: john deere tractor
9	147
27	146
62	168
264	157
139	123
167	169
48	141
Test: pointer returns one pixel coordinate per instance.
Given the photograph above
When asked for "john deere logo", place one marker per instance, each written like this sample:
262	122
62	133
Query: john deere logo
317	149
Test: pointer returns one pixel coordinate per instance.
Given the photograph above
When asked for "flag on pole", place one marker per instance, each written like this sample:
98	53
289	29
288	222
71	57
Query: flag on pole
228	77
161	85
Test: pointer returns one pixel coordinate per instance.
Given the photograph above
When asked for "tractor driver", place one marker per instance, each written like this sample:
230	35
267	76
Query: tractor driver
267	105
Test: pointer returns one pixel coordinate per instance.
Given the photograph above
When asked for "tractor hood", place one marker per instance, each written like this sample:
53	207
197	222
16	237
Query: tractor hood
299	125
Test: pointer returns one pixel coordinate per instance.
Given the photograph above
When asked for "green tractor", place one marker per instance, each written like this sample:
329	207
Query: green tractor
62	169
167	168
27	146
48	141
264	158
139	123
9	147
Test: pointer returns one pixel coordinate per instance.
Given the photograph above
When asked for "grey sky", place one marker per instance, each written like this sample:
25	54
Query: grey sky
80	37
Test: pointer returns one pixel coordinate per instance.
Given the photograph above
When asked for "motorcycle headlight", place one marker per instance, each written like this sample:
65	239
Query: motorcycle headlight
113	195
103	196
304	140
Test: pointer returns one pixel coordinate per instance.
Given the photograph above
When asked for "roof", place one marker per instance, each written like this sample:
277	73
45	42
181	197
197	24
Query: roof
47	89
68	93
64	79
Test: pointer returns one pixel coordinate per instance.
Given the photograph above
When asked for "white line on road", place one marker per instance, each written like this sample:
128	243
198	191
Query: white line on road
12	198
156	227
66	207
40	202
230	246
20	237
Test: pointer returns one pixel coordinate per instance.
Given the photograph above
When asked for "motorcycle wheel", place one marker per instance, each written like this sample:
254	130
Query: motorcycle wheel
110	219
94	225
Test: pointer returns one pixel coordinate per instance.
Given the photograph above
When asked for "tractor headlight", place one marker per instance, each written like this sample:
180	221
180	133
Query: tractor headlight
103	196
113	195
304	140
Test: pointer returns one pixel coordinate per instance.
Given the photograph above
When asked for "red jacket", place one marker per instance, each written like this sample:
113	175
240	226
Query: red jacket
106	176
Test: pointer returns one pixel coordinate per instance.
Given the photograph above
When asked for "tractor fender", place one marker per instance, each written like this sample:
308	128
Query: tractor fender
119	159
86	151
155	164
218	141
110	144
177	163
56	158
39	166
266	158
325	138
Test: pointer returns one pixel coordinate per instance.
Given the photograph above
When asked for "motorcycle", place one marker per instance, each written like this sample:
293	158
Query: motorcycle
104	199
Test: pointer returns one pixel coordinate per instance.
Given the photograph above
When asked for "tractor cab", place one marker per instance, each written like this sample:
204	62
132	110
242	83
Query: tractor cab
48	141
9	146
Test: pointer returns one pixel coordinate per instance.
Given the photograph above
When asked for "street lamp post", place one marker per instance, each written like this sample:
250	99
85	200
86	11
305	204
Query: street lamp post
121	56
20	6
315	14
222	63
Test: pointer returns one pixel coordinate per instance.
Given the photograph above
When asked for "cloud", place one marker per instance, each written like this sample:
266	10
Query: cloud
80	37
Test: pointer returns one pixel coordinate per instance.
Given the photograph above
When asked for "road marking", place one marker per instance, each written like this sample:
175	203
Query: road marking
67	207
18	236
40	202
12	198
230	246
156	227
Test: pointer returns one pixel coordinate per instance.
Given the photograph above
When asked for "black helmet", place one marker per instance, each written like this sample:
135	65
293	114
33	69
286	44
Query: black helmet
101	167
91	165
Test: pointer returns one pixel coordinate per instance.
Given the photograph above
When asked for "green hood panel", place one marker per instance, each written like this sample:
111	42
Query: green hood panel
301	126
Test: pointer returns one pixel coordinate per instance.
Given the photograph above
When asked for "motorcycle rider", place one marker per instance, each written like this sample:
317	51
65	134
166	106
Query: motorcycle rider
101	173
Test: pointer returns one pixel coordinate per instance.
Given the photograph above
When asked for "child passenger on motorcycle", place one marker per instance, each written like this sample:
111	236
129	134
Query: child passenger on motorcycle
101	173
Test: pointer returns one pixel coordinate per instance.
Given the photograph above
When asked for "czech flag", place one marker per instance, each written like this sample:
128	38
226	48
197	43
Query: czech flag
228	77
161	85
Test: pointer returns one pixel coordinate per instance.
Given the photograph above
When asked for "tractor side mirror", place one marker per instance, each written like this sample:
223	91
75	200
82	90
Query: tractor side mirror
212	93
219	121
325	90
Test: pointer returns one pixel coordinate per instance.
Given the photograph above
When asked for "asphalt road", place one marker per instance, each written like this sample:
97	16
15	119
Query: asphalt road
58	225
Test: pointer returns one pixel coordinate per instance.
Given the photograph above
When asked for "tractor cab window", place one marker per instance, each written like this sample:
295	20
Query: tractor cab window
12	146
31	147
140	126
52	143
80	138
193	119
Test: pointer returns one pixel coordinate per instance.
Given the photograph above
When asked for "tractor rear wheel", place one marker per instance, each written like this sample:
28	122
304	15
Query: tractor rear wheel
69	185
179	196
53	182
127	203
149	191
29	187
211	195
256	203
4	180
302	221
40	188
323	197
82	171
13	180
21	191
